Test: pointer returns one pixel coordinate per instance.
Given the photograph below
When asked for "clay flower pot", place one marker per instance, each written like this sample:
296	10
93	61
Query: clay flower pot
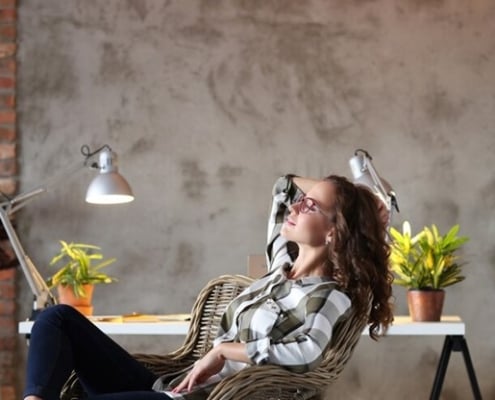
82	304
426	304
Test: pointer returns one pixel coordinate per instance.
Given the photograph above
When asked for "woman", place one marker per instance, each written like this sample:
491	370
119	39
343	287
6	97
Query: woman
326	250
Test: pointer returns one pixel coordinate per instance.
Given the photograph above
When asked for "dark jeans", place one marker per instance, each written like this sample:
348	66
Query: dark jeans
63	340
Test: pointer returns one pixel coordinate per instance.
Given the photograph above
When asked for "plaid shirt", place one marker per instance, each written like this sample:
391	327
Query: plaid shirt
281	321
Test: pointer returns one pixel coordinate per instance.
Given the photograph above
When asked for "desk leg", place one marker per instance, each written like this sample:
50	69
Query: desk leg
454	343
441	369
469	366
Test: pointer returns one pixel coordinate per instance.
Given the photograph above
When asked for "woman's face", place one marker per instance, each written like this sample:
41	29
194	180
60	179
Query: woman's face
310	220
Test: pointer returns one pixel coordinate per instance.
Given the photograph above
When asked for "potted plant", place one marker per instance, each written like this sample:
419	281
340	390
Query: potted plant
426	263
79	270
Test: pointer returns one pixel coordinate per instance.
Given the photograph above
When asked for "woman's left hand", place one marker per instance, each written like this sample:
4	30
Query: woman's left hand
209	365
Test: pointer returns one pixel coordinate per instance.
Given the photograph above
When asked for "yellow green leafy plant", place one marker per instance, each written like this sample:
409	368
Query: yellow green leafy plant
79	264
426	260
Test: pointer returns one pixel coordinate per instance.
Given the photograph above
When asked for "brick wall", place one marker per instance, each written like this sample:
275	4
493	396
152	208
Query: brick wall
8	186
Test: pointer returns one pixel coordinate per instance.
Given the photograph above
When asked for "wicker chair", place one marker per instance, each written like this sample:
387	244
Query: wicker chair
266	382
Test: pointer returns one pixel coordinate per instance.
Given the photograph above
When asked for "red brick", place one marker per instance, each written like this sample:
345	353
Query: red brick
8	186
7	150
7	291
8	167
7	133
8	15
7	49
8	327
7	100
6	373
8	33
7	116
8	66
6	358
7	307
7	274
7	4
8	343
7	392
7	82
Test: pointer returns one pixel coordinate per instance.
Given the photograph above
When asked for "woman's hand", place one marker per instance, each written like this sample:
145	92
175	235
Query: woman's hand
209	365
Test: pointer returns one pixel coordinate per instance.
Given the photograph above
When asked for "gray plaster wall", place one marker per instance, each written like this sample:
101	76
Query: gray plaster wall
207	102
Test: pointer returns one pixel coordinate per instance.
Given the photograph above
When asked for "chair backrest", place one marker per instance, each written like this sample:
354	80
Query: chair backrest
208	310
271	381
345	336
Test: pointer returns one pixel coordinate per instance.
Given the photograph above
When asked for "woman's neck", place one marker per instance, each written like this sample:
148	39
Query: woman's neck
311	261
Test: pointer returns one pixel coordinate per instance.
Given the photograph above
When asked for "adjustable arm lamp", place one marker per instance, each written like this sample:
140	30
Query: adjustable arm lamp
364	173
108	187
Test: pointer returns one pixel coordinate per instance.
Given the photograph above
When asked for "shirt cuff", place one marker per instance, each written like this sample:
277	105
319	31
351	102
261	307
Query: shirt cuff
257	350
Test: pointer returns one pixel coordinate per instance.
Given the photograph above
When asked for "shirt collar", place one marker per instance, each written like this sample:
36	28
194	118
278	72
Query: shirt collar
305	280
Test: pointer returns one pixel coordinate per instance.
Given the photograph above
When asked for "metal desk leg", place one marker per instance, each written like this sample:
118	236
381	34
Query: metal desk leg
454	343
469	366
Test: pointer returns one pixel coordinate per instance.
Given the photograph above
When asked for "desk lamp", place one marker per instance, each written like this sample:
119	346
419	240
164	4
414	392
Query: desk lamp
364	173
108	187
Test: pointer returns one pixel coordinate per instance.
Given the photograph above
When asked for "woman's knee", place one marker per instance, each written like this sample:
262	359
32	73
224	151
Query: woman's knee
58	313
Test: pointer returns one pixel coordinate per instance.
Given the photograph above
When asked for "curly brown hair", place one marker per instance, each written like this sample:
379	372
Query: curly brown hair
359	253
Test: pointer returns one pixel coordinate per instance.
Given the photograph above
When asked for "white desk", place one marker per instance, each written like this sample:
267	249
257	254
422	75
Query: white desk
451	327
178	324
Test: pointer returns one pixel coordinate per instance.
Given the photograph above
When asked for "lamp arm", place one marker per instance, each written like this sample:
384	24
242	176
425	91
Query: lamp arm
382	192
42	294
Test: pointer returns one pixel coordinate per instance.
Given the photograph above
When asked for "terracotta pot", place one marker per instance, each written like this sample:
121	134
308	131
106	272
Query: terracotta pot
425	305
82	304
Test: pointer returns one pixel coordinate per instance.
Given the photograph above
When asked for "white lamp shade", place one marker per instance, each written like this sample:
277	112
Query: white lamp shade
109	188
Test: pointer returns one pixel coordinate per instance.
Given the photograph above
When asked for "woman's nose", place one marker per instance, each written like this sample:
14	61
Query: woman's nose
294	207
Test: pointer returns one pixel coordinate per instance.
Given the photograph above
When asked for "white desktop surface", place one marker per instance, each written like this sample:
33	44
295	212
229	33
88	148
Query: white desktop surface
449	325
178	324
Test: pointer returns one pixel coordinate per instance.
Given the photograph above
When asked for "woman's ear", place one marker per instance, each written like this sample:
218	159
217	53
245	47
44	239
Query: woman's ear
329	236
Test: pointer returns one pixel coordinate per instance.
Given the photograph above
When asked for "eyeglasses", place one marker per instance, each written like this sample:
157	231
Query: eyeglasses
309	206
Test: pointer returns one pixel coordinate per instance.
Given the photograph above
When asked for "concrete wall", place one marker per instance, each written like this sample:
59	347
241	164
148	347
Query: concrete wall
207	102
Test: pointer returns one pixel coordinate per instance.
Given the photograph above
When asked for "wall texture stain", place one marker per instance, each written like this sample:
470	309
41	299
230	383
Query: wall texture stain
487	195
142	145
54	75
441	211
194	179
115	64
439	106
202	32
187	260
228	175
139	7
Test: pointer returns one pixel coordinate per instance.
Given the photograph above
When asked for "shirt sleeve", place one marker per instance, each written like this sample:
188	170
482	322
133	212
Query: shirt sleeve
278	249
303	350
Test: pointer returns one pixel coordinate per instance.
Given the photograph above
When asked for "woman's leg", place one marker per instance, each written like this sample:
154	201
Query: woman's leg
63	340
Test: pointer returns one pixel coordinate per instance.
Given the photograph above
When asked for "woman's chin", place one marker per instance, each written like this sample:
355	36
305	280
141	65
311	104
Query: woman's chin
286	233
